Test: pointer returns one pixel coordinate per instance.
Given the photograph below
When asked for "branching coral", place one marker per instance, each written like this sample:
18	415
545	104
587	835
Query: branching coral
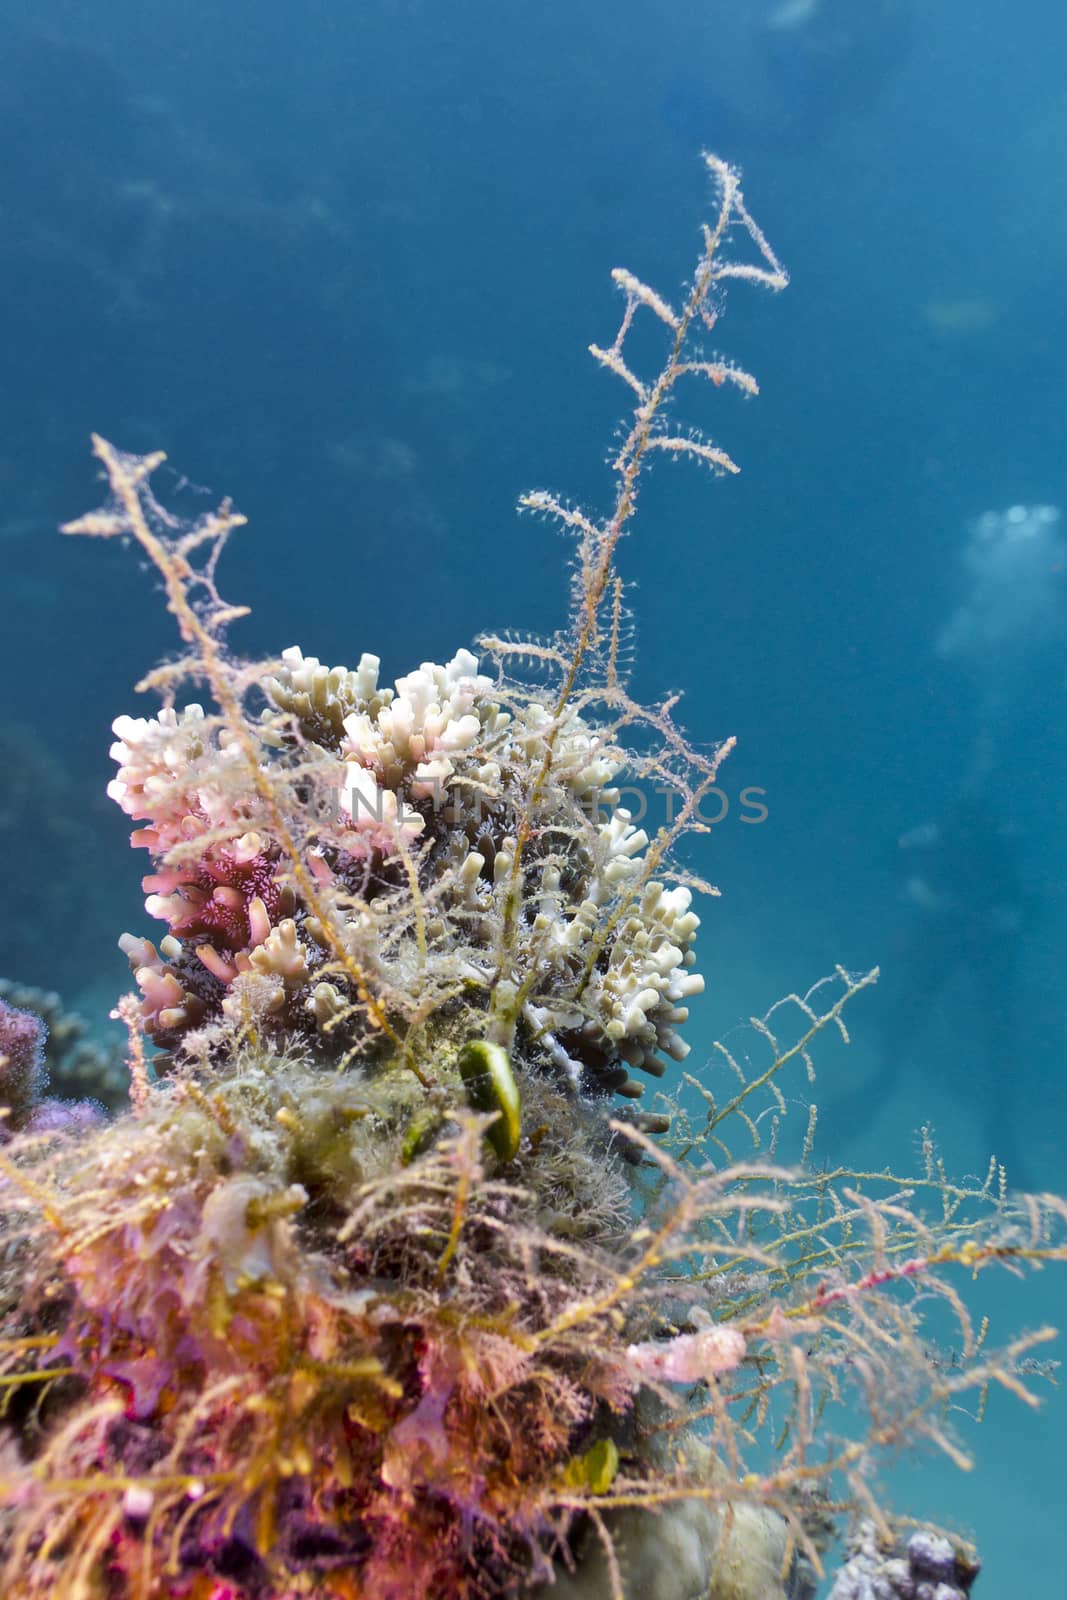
412	799
370	1296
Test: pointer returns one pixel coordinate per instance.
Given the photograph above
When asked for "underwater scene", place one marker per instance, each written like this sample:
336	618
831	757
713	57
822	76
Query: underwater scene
546	529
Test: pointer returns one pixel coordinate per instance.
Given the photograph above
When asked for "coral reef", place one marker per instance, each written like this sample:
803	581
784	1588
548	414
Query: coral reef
425	780
927	1567
75	1066
23	1076
410	1374
280	1350
371	1294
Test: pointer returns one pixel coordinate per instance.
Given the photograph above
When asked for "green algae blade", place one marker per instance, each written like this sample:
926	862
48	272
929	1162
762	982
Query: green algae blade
490	1086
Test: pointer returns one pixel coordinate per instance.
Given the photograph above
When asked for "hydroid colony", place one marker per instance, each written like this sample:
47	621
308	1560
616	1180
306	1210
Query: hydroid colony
394	1281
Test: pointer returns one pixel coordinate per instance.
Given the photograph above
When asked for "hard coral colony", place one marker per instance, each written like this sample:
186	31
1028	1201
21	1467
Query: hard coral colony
376	1290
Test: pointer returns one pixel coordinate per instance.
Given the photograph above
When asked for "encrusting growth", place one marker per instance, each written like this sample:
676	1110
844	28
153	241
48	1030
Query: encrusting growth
376	1292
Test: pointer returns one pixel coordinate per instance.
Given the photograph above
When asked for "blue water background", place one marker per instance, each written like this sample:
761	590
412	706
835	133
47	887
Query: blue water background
343	264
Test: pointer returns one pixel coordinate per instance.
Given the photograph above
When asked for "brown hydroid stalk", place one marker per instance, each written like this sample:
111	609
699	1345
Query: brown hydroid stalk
176	572
599	544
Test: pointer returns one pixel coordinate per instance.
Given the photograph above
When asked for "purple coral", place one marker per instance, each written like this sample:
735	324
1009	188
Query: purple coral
70	1117
22	1074
928	1568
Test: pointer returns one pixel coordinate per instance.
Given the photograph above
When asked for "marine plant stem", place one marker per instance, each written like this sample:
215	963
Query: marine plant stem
175	572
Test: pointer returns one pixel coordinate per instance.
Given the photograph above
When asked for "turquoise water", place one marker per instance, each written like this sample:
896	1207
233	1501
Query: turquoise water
344	263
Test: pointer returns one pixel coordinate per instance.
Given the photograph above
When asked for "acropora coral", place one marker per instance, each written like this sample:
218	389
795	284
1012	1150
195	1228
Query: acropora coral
427	781
376	1291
